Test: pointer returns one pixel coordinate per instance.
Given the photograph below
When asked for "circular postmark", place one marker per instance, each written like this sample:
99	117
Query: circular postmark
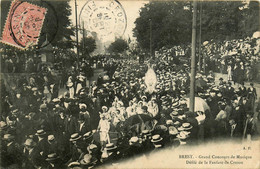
51	25
26	21
105	18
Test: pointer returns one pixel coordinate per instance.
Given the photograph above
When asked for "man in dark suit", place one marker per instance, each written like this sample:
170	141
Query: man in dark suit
42	145
242	90
54	162
10	152
32	157
230	91
83	126
235	129
252	95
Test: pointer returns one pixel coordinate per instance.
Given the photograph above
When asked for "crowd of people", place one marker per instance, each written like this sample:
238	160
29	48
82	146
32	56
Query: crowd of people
123	114
239	58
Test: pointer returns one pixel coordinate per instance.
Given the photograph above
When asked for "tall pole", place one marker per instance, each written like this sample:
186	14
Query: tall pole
77	36
83	46
193	58
200	63
151	50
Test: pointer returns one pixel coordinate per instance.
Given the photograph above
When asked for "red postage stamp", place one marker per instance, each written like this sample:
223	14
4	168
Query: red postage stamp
23	24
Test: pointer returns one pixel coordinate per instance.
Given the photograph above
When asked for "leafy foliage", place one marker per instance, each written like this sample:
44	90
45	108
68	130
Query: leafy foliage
118	46
87	45
172	22
226	20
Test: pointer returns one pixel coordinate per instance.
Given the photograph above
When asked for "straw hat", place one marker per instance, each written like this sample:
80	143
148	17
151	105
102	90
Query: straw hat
52	157
75	137
40	132
29	142
110	147
104	108
88	160
156	138
8	137
88	135
74	164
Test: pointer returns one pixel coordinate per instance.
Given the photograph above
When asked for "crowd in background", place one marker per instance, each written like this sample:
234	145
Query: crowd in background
116	117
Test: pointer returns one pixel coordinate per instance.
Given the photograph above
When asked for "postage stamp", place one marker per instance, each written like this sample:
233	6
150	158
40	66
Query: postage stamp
23	24
104	17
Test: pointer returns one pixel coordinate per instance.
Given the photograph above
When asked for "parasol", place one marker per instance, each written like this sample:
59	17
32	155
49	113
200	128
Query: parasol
200	104
201	83
137	119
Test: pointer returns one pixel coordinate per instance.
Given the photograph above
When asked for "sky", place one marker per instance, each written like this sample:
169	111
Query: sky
131	9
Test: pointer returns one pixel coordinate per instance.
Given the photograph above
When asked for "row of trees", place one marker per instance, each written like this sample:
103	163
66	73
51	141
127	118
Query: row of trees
170	23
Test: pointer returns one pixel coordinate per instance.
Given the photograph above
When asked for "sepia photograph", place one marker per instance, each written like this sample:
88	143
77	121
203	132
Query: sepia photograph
132	84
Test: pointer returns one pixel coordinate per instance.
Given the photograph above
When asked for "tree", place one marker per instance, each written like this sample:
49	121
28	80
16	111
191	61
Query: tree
170	24
87	45
226	20
118	46
57	25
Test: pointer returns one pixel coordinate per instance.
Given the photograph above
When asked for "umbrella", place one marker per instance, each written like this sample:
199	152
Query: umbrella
138	118
200	104
201	83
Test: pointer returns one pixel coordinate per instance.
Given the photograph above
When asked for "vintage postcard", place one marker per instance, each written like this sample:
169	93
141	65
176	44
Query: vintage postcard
129	84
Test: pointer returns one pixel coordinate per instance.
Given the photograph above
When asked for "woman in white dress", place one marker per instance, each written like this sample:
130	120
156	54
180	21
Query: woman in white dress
229	71
150	80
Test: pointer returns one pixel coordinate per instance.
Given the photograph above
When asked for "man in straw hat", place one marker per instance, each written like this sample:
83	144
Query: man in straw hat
110	153
10	151
54	162
32	157
88	161
42	144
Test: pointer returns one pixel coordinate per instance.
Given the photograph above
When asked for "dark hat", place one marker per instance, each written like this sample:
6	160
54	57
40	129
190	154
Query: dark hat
40	132
52	157
75	137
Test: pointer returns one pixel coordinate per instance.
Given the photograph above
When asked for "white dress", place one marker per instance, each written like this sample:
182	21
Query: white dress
104	127
150	80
